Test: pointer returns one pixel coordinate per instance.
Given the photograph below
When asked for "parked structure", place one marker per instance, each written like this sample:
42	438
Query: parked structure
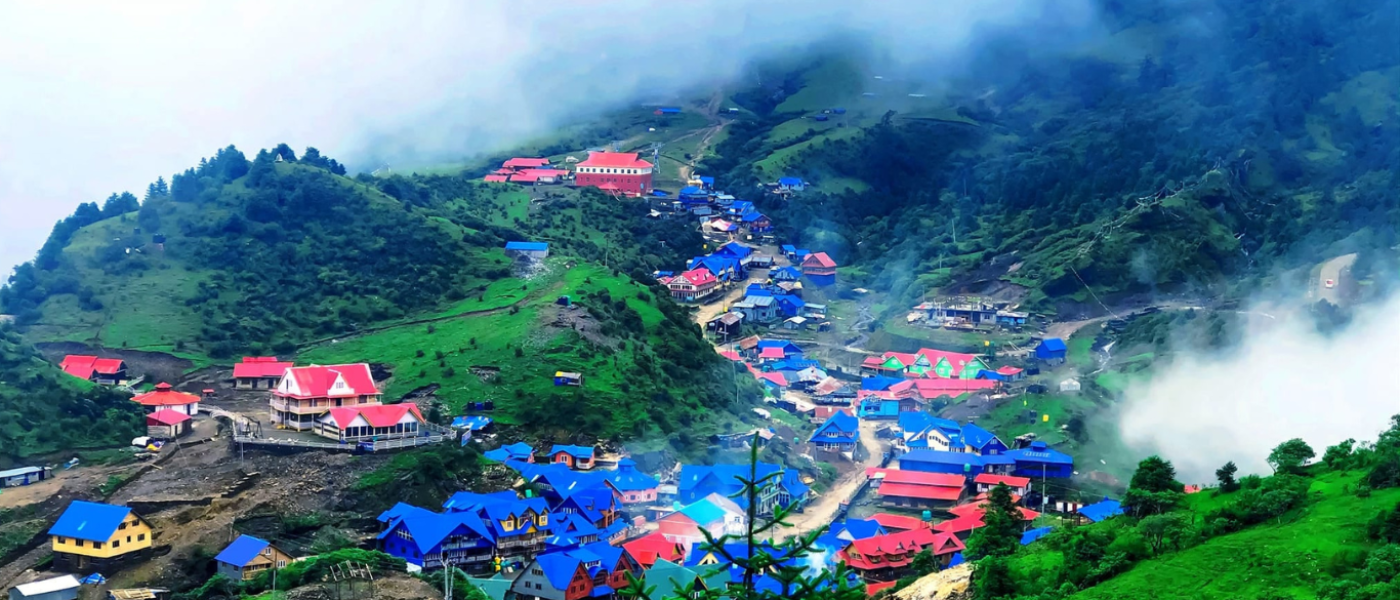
259	372
90	536
248	556
102	371
620	172
567	378
306	394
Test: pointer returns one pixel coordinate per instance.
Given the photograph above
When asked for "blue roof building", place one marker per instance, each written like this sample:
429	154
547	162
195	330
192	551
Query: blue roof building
1032	535
789	304
981	441
733	250
472	423
739	207
518	451
757	289
418	535
1039	460
698	481
840	432
791	183
939	461
789	349
528	246
878	384
706	181
723	267
668	110
1052	350
785	274
90	521
631	483
594	570
1101	510
247	556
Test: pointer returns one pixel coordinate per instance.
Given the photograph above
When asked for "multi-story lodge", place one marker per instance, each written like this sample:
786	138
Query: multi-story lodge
305	394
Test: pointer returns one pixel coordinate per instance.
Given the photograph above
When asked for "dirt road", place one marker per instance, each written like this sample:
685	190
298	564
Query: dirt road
822	511
705	312
1334	269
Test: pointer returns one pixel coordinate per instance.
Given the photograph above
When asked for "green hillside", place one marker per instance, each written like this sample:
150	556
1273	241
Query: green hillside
43	410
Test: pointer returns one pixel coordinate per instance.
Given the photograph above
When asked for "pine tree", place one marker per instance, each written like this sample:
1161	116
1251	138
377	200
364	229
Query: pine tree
1001	535
1226	476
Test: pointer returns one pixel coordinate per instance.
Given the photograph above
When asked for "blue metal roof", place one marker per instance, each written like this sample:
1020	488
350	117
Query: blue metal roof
574	451
89	521
473	423
789	181
788	248
1034	534
241	551
1053	344
1102	510
750	217
628	478
943	458
559	568
841	422
527	246
707	180
703	512
878	384
734	249
691	190
788	347
1040	453
660	193
976	437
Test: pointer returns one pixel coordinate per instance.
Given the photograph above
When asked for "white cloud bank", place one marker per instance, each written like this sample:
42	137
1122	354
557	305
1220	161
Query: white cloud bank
1285	381
104	97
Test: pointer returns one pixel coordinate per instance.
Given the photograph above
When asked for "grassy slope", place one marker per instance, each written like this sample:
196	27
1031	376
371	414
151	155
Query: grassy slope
1285	558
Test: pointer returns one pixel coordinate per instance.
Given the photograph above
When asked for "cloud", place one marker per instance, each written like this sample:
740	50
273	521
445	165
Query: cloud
1285	380
106	97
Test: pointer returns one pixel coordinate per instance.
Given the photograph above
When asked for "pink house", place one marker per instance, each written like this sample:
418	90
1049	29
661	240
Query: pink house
631	485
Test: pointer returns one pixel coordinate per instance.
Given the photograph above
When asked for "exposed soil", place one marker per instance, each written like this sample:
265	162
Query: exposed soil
154	366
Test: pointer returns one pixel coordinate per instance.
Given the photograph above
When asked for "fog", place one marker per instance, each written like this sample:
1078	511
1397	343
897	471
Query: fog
100	98
1286	380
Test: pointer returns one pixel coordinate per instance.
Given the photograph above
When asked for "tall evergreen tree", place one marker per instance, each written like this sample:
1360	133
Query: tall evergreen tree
1001	535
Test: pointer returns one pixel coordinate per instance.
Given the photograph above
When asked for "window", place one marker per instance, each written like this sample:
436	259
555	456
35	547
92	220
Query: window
79	543
117	544
128	539
141	537
122	526
97	545
61	540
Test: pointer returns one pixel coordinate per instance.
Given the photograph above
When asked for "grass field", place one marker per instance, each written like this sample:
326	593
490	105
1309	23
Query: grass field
1286	558
826	86
780	161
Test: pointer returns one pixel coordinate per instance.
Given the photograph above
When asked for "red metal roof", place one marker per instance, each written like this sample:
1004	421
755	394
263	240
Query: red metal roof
260	367
772	352
923	478
1010	481
819	259
525	163
731	355
619	160
824	412
83	367
317	381
873	589
651	548
165	396
166	416
377	415
1009	370
898	549
893	522
701	276
495	179
933	388
921	491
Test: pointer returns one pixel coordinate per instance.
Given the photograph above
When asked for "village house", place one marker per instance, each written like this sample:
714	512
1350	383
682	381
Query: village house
896	523
736	251
756	222
525	163
714	513
259	372
631	484
89	536
594	571
567	378
24	476
65	587
758	309
306	394
537	176
1100	511
620	172
967	518
926	362
888	557
791	184
167	424
248	556
696	482
671	578
1040	460
918	490
165	398
840	534
819	268
426	539
840	433
102	371
1051	350
518	526
372	422
518	451
574	457
725	268
1004	373
984	483
726	325
694	285
527	252
782	274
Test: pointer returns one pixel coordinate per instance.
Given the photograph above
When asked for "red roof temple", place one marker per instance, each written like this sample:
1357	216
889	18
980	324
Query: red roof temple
621	171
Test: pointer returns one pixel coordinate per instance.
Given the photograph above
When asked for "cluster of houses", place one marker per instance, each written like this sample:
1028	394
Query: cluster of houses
620	173
720	214
967	314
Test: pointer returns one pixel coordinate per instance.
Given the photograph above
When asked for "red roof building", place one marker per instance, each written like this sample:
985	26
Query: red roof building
892	522
986	481
167	424
166	398
259	372
538	176
106	371
615	171
525	163
376	421
772	353
824	412
920	490
493	178
928	389
887	557
968	517
693	285
307	393
818	264
648	549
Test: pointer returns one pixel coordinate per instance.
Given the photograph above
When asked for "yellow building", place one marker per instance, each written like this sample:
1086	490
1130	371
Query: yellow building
90	536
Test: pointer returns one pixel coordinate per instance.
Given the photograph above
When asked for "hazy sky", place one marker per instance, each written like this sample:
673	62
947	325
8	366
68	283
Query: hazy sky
103	97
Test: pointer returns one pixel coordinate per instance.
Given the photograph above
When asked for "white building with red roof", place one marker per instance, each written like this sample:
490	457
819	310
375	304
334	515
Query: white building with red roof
622	172
693	285
166	398
372	422
105	371
259	372
305	394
